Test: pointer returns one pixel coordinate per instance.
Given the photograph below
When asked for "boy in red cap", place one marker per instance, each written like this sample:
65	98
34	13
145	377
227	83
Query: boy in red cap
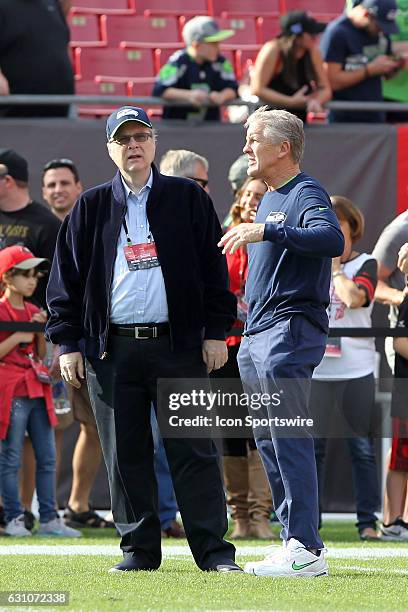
25	396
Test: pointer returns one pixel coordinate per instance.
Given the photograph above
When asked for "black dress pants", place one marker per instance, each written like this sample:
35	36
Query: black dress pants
122	388
232	447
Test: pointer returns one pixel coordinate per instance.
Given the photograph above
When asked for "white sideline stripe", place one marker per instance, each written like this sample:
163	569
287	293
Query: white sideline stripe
376	570
174	552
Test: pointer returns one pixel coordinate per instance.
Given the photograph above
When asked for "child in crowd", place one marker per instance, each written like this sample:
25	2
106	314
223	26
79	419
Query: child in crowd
25	397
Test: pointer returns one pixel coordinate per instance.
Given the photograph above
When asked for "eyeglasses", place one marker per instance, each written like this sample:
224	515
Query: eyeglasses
200	181
123	141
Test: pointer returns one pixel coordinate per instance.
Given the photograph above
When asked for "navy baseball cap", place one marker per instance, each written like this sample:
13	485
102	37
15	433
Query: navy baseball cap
297	22
124	115
16	166
384	12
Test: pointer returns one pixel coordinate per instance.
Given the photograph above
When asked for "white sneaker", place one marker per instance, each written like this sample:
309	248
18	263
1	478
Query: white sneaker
395	532
57	527
292	560
15	527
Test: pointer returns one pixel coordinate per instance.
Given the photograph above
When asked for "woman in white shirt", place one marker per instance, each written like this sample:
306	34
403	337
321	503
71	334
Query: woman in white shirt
345	377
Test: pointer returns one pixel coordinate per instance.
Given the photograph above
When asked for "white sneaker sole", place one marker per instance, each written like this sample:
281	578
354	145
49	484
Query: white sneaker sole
56	535
392	538
267	574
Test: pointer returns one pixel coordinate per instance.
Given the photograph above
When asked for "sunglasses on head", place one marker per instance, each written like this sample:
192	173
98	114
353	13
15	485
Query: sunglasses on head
58	162
200	181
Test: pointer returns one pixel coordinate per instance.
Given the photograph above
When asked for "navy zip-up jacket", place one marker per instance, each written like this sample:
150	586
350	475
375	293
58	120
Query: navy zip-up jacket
186	231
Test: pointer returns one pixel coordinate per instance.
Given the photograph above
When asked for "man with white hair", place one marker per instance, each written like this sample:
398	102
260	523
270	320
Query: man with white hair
287	291
197	75
180	162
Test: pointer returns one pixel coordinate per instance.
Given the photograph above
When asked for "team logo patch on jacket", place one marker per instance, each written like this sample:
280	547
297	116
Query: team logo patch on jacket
276	217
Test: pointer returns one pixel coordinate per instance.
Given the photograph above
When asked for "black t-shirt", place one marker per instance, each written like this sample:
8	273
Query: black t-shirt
399	406
34	53
36	228
278	83
343	43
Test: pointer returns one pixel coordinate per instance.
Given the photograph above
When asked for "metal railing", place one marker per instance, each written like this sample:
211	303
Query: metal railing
64	100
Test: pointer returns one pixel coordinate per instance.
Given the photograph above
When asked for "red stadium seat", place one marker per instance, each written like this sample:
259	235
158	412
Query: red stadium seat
245	31
243	60
116	63
268	28
255	8
102	88
143	31
141	87
84	30
324	7
174	7
112	7
161	56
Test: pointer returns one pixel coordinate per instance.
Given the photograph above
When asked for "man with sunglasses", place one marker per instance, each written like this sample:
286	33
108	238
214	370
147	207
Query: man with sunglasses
138	277
180	162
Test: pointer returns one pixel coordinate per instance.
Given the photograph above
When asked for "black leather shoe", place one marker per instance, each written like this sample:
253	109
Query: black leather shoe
131	564
228	566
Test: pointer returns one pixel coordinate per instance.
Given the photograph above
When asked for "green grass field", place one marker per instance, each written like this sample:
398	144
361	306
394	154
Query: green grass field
364	576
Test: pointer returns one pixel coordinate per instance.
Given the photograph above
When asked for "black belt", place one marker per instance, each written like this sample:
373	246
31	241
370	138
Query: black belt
140	332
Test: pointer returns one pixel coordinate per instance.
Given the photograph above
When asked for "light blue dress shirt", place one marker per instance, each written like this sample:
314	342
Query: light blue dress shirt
139	296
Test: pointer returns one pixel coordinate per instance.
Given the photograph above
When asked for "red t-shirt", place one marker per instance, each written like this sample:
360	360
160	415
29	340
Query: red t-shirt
238	270
16	356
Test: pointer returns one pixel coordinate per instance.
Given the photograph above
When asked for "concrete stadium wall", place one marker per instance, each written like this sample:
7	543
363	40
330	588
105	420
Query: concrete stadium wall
355	161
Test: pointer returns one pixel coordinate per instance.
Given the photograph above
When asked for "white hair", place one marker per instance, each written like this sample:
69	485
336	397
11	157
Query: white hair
180	162
279	125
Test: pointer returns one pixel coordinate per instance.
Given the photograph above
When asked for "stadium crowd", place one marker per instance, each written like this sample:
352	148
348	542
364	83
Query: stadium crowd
358	57
37	406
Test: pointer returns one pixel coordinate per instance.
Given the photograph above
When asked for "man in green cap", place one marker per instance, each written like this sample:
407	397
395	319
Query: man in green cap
198	74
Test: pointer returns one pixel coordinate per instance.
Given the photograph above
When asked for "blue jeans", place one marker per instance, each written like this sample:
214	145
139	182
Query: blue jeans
355	400
167	499
28	415
365	480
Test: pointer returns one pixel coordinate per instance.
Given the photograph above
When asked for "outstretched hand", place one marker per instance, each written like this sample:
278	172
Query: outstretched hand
240	235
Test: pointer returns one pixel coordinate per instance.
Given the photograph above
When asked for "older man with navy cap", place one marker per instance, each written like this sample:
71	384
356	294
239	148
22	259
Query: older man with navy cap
138	280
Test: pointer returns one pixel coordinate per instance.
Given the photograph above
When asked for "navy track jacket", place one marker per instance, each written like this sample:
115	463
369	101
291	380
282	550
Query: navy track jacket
289	272
186	231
